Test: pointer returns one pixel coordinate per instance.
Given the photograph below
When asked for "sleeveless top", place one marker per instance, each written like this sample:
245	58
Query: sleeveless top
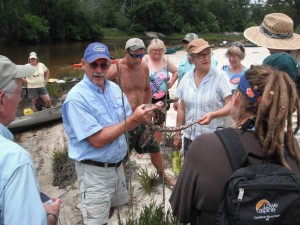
158	80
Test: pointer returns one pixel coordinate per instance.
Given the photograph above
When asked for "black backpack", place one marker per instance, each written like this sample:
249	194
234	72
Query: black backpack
261	194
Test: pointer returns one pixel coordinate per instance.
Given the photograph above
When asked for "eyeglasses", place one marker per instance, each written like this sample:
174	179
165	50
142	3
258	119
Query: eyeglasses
103	66
202	56
22	94
136	55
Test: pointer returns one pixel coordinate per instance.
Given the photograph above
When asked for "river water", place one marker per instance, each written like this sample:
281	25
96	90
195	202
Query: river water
58	57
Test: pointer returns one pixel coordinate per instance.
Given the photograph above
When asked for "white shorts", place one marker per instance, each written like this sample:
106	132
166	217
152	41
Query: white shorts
100	189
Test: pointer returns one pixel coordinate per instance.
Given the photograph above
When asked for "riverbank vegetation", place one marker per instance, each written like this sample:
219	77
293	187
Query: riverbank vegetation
32	21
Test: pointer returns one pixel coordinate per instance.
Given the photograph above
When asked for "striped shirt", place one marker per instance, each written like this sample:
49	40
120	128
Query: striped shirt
209	96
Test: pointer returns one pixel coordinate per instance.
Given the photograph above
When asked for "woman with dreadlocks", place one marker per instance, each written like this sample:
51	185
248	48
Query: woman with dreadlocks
262	107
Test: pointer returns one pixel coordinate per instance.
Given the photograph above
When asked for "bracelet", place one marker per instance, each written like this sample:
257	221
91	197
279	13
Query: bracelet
53	215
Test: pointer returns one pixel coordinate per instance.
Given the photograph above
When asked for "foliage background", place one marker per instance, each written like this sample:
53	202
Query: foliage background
37	21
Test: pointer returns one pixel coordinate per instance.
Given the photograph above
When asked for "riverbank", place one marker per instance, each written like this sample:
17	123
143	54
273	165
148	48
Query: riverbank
42	142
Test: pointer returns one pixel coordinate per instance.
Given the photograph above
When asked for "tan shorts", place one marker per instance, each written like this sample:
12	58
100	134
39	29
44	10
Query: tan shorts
100	189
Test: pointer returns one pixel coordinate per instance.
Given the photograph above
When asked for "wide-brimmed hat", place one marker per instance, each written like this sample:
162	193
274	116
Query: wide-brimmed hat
275	32
198	45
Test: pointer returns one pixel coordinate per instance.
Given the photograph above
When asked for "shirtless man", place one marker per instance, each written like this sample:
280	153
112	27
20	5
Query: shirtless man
132	77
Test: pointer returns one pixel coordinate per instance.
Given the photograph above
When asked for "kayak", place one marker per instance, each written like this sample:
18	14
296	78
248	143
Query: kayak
36	119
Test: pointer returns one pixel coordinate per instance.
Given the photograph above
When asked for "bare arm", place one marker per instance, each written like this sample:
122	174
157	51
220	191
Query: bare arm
112	74
174	70
148	93
225	111
46	76
52	211
109	134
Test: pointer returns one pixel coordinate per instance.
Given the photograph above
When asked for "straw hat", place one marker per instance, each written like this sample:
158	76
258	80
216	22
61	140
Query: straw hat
275	32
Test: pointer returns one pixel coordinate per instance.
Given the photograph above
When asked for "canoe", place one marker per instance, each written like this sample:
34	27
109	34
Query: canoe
170	50
36	119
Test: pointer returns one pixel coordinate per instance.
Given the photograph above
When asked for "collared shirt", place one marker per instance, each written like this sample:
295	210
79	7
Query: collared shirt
87	110
209	96
185	66
20	201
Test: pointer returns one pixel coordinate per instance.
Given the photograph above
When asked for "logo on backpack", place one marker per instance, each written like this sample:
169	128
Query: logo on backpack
264	206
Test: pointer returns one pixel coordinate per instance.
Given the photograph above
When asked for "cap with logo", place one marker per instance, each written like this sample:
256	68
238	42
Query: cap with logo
189	37
134	44
10	71
96	51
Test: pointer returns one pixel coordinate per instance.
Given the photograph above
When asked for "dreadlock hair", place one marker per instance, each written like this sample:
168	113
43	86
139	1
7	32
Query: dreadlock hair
279	100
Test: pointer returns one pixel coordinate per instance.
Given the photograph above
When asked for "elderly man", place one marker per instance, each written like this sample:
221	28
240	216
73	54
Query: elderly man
133	77
20	201
96	114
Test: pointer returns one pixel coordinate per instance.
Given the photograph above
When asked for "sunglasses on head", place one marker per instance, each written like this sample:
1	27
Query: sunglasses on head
239	45
136	55
103	66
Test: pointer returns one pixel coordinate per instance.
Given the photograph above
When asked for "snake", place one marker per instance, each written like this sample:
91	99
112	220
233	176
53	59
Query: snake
154	125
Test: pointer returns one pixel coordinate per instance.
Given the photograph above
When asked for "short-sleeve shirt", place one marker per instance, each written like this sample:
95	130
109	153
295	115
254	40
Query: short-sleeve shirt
37	80
20	201
87	110
209	96
234	77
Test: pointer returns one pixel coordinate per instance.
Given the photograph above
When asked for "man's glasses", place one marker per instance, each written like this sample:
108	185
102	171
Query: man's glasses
103	66
136	55
202	55
22	94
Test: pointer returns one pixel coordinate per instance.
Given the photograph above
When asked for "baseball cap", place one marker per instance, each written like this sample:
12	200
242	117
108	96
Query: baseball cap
198	45
134	44
283	62
96	51
189	37
10	71
32	55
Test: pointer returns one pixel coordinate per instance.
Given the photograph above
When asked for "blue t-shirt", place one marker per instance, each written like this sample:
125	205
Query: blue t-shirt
20	201
87	110
234	78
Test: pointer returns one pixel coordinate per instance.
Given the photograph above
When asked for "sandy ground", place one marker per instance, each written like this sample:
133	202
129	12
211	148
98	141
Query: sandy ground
43	141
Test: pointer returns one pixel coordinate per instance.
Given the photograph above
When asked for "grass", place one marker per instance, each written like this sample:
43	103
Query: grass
148	182
63	169
151	215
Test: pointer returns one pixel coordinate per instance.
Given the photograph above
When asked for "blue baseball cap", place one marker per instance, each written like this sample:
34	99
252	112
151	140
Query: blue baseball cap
96	51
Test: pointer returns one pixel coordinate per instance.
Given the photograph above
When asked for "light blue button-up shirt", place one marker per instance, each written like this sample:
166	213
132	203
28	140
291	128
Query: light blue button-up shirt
209	96
87	110
20	201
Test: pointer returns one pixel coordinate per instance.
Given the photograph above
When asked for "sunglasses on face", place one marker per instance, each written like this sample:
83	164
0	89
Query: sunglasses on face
103	66
136	55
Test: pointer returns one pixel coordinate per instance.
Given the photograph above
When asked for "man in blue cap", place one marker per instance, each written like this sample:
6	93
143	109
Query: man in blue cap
96	114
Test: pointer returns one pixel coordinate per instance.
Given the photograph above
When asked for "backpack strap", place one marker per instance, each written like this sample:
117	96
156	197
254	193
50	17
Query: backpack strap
234	148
